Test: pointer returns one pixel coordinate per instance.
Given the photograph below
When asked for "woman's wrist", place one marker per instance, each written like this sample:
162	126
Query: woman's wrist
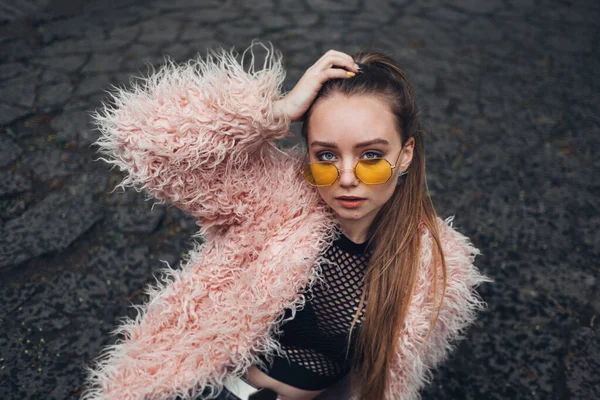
279	109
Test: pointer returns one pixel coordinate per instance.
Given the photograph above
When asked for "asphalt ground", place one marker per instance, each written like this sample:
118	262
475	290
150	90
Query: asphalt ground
509	95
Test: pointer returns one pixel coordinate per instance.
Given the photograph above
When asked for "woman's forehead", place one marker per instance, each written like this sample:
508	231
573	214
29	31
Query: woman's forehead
349	121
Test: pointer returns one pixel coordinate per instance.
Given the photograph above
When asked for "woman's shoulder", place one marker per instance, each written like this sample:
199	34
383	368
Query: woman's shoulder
451	238
458	250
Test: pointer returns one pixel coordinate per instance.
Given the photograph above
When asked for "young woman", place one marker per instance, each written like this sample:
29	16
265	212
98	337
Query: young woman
349	221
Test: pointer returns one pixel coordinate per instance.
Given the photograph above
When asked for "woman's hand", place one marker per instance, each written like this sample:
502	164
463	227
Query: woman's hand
299	99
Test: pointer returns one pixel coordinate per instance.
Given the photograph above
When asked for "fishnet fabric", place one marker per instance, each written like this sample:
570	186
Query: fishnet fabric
315	340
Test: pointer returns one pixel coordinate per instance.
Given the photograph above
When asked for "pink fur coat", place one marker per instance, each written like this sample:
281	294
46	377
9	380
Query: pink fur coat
201	136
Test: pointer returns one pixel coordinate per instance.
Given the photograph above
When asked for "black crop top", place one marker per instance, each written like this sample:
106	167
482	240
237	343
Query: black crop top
315	340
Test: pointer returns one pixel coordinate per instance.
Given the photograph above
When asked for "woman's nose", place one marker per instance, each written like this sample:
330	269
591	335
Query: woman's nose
348	177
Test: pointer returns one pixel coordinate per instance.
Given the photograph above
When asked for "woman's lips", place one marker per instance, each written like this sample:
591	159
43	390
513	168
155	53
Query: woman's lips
351	203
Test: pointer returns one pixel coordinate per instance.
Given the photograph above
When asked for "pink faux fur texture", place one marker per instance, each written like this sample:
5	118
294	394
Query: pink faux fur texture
201	136
415	359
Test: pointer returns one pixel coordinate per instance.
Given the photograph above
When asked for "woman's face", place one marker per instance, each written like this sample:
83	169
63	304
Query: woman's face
344	130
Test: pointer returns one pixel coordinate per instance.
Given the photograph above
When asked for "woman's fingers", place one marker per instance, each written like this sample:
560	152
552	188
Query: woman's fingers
340	62
335	53
332	73
329	67
333	64
335	58
333	68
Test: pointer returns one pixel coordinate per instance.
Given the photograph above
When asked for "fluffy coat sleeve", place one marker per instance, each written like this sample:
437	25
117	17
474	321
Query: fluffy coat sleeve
200	136
188	131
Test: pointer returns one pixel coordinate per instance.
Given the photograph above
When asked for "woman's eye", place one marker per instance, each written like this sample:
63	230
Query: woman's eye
325	156
372	154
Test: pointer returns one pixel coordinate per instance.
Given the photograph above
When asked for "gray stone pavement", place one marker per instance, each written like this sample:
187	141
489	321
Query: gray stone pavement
510	95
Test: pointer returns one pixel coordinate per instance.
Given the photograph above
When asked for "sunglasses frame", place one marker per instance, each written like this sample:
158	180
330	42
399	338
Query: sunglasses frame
354	169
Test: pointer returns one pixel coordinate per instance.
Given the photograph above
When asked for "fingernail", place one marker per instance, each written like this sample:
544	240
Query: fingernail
357	66
349	73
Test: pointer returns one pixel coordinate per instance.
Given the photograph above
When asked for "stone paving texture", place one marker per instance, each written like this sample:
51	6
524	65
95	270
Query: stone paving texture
509	91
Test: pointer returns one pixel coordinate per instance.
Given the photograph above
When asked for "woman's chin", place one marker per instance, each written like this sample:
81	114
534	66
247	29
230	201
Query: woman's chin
349	214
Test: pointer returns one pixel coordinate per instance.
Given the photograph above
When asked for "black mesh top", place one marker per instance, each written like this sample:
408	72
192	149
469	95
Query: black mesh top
315	340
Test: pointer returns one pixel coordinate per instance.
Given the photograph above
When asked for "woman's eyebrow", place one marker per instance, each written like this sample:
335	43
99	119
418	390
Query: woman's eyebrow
361	144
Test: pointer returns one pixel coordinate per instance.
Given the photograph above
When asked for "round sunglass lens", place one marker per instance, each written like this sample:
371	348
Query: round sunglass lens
320	174
373	171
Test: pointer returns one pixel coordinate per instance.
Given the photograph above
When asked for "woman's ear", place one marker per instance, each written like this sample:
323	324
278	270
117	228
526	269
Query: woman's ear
407	154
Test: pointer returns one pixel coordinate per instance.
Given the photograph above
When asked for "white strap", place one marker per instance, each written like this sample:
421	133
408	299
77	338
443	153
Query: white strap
240	388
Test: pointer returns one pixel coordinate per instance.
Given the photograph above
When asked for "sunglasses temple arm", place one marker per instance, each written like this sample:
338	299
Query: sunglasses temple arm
397	158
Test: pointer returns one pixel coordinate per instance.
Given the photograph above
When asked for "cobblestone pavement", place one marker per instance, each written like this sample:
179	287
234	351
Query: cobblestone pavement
510	95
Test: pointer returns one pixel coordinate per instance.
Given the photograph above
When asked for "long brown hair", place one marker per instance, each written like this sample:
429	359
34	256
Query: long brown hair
394	235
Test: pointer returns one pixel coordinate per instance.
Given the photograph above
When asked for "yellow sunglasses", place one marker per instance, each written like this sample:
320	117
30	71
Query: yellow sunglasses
371	171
